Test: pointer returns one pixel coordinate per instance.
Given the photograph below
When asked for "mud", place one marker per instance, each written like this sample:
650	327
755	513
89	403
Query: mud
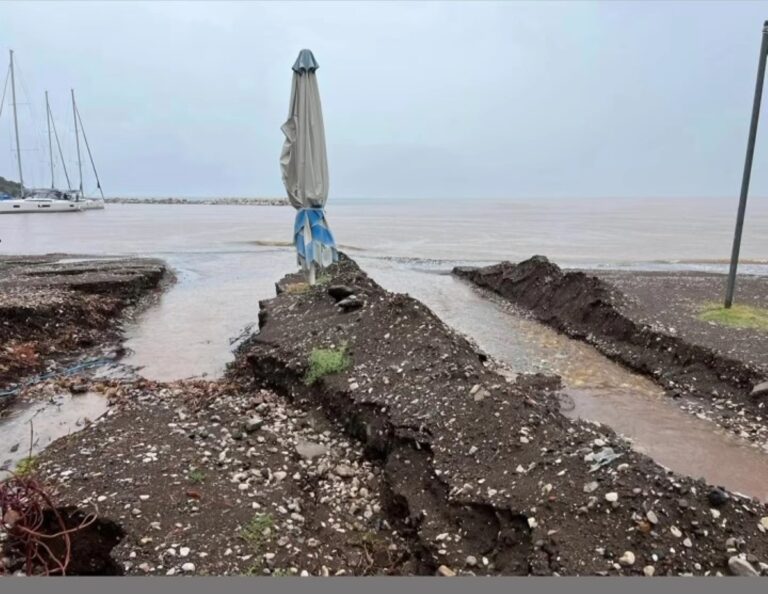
647	332
53	311
484	475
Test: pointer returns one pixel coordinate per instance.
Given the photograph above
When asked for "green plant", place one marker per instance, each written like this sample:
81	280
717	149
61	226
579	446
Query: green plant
737	316
297	288
26	466
196	476
324	362
323	279
253	532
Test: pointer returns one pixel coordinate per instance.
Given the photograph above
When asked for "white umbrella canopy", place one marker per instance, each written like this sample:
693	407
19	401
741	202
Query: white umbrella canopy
304	166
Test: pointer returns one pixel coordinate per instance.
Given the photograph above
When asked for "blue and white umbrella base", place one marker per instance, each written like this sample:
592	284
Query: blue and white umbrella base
315	245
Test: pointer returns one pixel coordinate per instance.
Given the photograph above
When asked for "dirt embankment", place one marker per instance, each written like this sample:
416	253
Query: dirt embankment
55	311
481	475
684	355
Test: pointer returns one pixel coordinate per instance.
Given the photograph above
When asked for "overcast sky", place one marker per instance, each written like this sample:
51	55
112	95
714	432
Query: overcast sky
420	99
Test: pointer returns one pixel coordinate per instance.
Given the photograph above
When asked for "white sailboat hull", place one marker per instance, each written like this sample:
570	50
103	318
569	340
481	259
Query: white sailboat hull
38	206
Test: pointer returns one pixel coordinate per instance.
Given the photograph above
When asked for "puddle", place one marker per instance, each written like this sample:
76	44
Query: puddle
601	390
51	419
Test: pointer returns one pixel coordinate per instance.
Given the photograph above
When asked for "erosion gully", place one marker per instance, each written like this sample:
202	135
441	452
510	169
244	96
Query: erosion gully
193	329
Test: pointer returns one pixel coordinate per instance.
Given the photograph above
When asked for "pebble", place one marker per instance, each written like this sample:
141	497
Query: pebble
687	543
445	571
763	523
627	559
649	570
184	552
310	449
591	487
612	497
471	560
652	517
344	471
717	497
279	475
188	567
741	567
676	532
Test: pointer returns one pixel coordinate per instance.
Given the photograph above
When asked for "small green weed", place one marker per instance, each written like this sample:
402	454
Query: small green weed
324	362
196	476
253	532
26	466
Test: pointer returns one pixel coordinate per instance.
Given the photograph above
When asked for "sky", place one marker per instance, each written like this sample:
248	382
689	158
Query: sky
420	100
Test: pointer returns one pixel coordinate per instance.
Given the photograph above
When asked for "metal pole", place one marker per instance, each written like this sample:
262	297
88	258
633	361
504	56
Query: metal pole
747	169
77	141
16	127
50	142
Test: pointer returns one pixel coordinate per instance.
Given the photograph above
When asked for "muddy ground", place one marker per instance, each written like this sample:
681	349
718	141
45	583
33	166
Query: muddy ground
649	322
54	311
417	456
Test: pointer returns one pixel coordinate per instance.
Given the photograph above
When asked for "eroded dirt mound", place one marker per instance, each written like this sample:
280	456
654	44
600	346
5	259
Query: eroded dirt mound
485	476
51	309
586	307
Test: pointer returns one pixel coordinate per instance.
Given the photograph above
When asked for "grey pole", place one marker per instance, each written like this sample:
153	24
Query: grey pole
747	169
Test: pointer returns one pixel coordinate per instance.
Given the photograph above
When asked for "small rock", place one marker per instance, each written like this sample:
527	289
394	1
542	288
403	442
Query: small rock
310	449
717	497
687	543
471	560
764	523
344	471
741	567
676	532
591	487
627	559
652	517
188	567
649	570
339	292
445	571
612	497
253	424
184	552
759	390
279	475
350	303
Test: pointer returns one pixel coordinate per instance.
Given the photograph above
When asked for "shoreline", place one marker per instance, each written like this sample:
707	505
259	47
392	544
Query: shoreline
217	201
271	476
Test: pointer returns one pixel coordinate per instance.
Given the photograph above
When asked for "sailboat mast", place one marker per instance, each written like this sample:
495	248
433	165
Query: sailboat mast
77	141
16	126
50	142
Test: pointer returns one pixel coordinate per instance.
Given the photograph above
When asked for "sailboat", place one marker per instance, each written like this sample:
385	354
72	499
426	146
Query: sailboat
51	199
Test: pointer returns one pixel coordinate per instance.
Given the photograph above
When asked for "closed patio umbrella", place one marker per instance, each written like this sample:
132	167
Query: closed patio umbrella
304	166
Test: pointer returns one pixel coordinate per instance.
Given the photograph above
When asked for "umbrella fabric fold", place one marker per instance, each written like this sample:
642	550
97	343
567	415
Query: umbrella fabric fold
304	167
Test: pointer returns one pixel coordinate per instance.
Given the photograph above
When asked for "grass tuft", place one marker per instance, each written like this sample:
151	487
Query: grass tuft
257	530
738	316
324	362
26	466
